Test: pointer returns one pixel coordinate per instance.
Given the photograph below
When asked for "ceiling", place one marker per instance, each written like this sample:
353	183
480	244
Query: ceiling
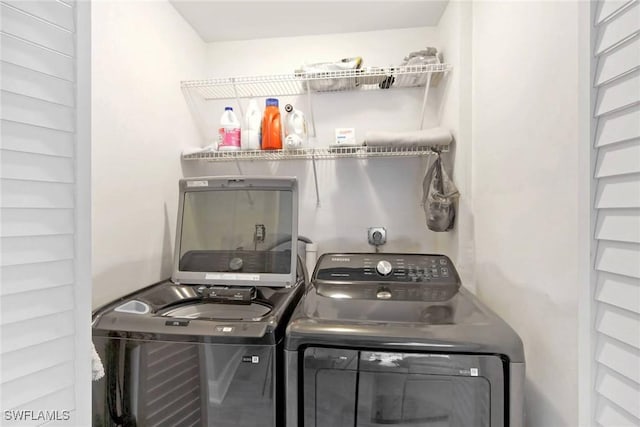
245	20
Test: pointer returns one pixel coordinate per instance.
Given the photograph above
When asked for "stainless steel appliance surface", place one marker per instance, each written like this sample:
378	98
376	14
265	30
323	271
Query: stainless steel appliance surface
205	348
393	338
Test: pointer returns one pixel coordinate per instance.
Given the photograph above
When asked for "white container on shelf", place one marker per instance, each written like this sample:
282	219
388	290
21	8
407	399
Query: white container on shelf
295	128
229	131
251	130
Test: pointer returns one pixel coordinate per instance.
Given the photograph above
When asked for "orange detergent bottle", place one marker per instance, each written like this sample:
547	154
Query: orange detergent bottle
271	126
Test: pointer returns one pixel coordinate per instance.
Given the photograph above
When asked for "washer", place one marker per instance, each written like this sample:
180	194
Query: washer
382	339
206	347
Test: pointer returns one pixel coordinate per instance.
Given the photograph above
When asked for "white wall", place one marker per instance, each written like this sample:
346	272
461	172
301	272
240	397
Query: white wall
141	51
525	189
355	194
454	33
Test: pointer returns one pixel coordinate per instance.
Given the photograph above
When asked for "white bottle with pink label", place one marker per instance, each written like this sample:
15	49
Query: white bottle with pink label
229	131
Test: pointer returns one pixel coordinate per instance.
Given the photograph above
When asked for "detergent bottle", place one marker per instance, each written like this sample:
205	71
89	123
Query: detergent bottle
271	126
229	131
295	128
251	130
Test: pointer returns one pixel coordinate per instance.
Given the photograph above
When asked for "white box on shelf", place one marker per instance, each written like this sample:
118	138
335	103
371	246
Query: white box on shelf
345	137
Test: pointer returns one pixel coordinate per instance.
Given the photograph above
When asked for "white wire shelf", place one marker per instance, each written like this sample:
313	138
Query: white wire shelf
324	153
302	83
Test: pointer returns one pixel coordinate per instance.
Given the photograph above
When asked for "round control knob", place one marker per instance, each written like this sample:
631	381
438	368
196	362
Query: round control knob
236	264
384	268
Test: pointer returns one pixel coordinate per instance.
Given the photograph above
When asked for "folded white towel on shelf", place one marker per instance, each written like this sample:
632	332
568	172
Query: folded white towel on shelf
97	370
420	138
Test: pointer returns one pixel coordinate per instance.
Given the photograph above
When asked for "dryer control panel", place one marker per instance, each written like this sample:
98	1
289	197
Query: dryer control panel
386	276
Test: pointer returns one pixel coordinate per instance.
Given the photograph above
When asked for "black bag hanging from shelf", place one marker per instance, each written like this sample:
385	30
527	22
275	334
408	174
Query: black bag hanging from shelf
438	197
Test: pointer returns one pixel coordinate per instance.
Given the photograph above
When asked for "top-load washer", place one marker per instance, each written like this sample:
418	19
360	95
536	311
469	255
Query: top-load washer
393	339
205	348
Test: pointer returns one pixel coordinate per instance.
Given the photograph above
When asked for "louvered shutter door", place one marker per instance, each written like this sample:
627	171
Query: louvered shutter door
38	295
616	52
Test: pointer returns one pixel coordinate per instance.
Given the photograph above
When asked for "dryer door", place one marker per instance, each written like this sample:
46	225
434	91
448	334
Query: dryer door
435	390
365	389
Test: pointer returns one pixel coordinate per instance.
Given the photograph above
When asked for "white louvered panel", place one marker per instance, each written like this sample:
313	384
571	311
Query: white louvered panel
32	332
36	167
623	26
19	52
29	277
25	81
618	192
621	358
606	8
57	400
610	415
622	325
34	304
36	249
622	225
621	291
619	127
619	258
618	159
620	390
31	194
617	208
41	384
56	12
35	222
22	109
38	293
27	27
622	92
34	139
26	361
620	61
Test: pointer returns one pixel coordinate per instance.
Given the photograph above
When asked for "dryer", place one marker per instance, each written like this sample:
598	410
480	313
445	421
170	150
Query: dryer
393	339
205	348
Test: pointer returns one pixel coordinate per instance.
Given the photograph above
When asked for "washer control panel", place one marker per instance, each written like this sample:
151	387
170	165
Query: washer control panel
383	276
379	267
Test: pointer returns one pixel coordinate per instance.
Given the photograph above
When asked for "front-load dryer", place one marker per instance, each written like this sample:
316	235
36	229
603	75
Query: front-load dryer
393	339
206	347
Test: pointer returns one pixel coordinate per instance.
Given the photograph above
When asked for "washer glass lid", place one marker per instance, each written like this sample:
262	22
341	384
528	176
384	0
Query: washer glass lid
234	231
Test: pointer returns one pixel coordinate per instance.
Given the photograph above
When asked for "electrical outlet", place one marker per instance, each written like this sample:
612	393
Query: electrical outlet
259	234
377	236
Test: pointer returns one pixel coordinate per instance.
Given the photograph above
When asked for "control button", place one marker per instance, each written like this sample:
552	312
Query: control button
177	323
384	268
383	295
443	261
